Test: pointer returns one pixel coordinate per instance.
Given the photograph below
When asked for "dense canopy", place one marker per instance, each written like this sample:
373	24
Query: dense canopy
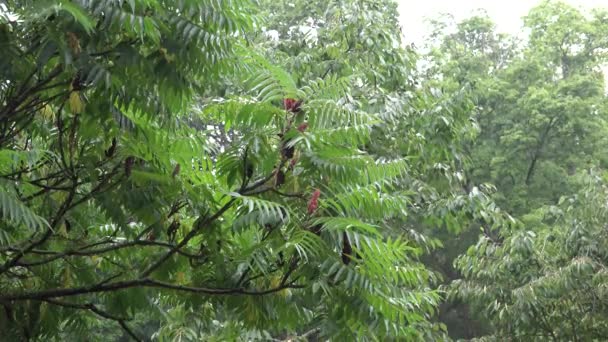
210	170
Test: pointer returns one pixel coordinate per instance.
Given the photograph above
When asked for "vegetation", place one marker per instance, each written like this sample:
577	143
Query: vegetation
541	114
290	170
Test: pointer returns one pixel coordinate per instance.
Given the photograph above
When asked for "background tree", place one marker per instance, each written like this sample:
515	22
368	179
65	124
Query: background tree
541	113
545	280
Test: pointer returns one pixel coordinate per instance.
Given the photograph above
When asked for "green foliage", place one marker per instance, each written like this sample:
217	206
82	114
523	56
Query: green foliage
319	38
422	131
132	194
546	278
541	111
211	170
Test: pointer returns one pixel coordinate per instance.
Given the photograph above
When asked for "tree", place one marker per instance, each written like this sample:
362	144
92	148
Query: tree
115	204
545	280
77	77
427	122
542	119
320	38
540	124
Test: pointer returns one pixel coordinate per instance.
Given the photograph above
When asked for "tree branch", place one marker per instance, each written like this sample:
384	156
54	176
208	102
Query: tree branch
91	307
141	282
188	237
84	252
47	234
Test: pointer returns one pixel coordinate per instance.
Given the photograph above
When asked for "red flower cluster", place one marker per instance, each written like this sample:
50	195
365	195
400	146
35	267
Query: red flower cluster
292	105
313	204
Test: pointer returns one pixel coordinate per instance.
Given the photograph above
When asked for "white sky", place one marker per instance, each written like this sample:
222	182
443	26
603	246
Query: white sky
505	13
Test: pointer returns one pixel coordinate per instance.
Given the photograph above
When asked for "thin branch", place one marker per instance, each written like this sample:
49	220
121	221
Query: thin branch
97	189
246	272
199	225
294	195
197	228
84	252
24	93
47	234
245	165
262	181
538	151
141	282
292	267
258	191
91	307
128	330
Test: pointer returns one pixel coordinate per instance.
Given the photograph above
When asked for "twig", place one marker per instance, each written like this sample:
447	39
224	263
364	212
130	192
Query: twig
141	282
91	307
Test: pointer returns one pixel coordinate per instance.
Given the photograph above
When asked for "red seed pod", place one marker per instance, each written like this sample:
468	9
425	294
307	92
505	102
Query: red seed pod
293	162
313	204
172	230
110	151
292	105
302	127
249	169
73	43
279	178
347	249
151	236
288	152
316	229
129	165
176	170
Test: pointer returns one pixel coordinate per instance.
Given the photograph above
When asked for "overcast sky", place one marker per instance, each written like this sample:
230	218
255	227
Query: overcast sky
506	14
